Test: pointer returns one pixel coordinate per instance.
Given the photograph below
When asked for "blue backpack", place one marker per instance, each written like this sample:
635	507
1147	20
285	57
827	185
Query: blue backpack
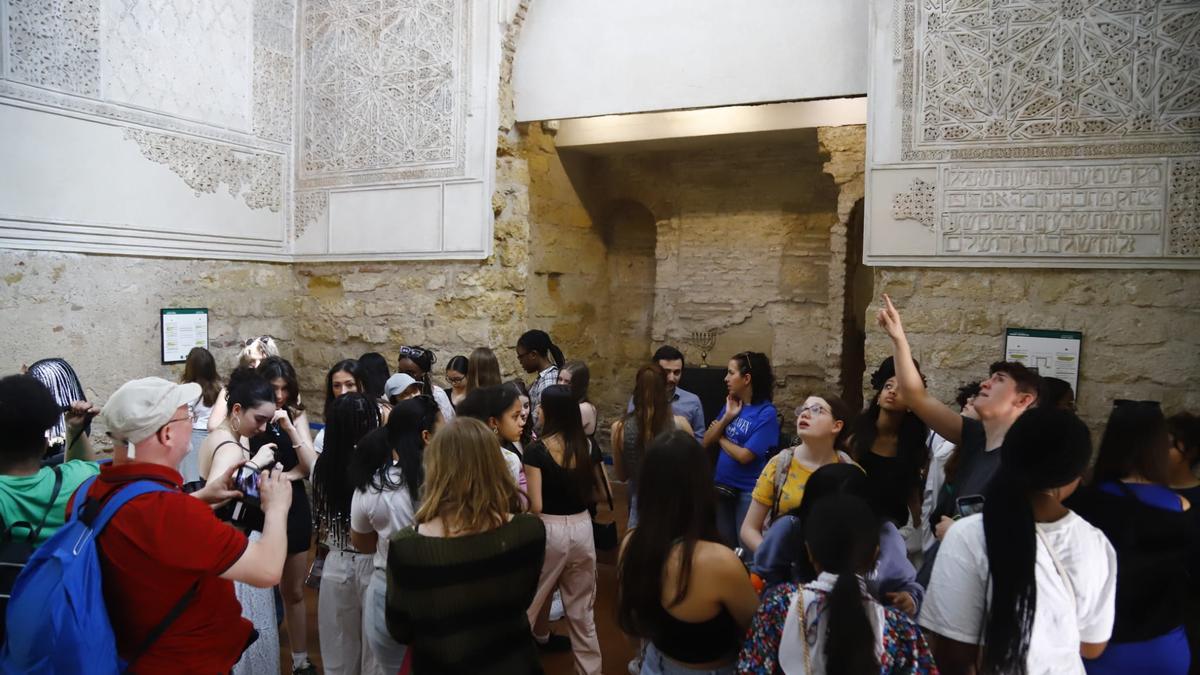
57	619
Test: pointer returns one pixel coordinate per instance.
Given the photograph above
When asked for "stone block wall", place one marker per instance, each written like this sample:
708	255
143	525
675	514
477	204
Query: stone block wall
101	312
1141	329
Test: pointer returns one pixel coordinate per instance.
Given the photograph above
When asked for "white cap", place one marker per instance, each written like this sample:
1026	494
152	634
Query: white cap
141	407
397	384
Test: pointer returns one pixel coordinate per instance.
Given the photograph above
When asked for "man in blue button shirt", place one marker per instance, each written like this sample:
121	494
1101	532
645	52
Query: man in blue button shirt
683	403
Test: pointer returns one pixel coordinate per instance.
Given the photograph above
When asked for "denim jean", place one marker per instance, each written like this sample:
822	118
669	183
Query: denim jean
731	512
654	663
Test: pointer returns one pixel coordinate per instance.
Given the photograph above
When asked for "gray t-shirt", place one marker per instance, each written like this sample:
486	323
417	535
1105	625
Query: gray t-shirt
976	467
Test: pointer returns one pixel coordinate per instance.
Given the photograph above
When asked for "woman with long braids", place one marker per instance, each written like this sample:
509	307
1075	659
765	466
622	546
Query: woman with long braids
417	362
347	570
290	433
1027	586
387	474
831	625
679	588
890	444
345	377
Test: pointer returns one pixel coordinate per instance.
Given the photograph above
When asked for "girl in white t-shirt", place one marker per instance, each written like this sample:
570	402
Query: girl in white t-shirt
387	473
1027	586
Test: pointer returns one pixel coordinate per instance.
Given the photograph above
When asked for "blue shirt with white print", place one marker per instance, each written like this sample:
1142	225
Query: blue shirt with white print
756	428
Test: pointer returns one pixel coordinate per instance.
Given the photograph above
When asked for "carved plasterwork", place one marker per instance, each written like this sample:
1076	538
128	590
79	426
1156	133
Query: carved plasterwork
385	91
54	44
917	203
274	66
180	57
311	208
985	79
1183	212
255	177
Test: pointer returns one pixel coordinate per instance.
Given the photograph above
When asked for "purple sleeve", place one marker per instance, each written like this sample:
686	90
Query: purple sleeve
894	572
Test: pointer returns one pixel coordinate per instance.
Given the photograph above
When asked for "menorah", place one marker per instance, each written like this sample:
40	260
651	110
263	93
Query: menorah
704	340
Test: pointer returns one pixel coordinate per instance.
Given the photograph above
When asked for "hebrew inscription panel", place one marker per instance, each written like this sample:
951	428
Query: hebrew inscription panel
1061	131
384	90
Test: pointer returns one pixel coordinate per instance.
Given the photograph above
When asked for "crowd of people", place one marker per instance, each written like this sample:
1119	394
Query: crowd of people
450	523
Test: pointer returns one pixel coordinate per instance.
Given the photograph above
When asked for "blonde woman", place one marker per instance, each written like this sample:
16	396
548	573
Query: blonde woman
460	581
253	352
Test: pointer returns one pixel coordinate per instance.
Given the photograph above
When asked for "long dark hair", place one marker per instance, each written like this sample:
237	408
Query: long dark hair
352	416
354	368
911	448
842	478
842	534
762	378
1185	430
539	341
375	373
678	506
1045	448
248	388
488	402
201	368
560	415
580	378
1135	441
401	438
519	387
458	364
651	409
276	367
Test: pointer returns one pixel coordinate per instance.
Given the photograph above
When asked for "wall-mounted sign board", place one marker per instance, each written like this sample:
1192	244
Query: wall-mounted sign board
1053	353
182	330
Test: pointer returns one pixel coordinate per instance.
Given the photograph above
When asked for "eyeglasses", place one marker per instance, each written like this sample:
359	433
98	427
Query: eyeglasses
521	355
457	380
191	417
813	410
413	352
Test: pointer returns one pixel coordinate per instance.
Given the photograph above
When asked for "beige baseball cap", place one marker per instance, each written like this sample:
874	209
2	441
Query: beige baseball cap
141	407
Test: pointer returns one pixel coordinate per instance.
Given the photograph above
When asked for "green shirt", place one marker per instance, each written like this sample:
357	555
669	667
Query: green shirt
460	602
27	498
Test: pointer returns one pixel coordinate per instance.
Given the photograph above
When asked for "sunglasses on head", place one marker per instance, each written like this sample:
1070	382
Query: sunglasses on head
414	352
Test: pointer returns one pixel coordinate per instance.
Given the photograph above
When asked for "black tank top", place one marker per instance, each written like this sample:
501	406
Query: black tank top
703	642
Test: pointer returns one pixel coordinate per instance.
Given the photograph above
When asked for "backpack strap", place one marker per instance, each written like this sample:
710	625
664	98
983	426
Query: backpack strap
783	464
58	479
163	625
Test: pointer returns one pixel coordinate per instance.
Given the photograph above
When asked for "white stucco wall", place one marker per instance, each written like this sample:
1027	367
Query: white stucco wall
579	58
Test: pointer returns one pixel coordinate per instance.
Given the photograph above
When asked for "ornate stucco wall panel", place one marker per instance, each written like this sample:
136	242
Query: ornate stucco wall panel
1024	132
399	106
202	88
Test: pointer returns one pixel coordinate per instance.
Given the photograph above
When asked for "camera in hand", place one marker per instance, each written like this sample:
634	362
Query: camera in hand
245	512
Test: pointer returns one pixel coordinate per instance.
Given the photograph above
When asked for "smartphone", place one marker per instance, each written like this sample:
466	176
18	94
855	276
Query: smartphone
969	505
246	481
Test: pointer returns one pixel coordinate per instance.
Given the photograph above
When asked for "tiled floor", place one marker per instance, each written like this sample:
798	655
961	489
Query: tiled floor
615	646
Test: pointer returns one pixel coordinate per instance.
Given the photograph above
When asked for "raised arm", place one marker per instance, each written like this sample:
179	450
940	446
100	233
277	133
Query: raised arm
932	412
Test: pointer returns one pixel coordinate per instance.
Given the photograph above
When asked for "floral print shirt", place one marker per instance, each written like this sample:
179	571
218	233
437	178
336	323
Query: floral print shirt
904	647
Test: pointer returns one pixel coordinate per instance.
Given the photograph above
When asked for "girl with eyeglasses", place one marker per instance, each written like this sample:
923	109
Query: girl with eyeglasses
416	362
821	428
745	431
456	375
249	408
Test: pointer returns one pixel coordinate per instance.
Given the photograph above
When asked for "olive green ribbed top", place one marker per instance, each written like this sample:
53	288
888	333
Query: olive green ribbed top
460	602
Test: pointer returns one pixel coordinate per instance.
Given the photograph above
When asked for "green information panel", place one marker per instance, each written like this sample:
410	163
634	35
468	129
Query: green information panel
182	330
1054	353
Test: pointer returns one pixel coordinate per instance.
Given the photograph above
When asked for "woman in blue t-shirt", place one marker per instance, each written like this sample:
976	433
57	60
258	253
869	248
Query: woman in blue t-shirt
746	429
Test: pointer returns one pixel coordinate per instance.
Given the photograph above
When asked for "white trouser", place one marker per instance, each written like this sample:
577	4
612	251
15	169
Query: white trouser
340	603
388	652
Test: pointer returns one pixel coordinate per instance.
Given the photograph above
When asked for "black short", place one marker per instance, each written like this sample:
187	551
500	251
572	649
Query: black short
299	520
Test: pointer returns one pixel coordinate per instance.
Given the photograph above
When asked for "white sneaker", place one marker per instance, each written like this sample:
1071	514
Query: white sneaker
556	607
635	667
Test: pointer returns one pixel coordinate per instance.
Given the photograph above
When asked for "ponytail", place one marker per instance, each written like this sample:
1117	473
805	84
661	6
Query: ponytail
850	646
539	341
842	535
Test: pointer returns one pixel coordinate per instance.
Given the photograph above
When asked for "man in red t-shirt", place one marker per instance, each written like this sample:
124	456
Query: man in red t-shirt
161	543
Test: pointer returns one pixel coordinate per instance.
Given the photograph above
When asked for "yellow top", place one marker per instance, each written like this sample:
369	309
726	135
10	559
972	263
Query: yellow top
793	487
